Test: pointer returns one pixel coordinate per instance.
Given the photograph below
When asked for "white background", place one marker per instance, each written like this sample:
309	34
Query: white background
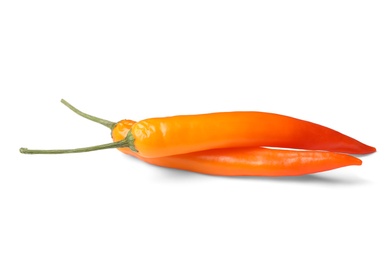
322	61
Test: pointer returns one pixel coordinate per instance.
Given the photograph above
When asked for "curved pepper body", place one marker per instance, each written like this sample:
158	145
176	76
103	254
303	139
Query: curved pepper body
244	161
157	137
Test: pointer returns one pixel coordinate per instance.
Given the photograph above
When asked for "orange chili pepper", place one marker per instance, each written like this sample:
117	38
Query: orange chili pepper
160	137
244	161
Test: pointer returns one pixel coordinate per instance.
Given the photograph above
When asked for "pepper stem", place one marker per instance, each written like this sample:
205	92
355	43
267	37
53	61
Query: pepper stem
127	142
122	143
101	121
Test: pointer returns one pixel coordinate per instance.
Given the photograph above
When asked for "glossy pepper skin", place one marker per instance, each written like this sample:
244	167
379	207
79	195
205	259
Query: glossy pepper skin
244	161
159	137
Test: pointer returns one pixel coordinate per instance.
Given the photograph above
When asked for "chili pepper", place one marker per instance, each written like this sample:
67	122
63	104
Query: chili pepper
244	161
160	137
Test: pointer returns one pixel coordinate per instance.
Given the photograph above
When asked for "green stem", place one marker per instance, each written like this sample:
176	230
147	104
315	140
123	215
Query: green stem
101	121
127	142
